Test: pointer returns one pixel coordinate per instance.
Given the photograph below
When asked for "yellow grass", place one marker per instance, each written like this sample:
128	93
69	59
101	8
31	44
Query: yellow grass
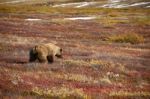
132	38
124	93
59	92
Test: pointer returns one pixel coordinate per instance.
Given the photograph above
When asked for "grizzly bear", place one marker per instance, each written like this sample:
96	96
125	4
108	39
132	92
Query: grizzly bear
45	53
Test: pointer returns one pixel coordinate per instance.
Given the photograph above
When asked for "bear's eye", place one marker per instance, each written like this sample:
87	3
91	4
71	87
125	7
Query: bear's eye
60	50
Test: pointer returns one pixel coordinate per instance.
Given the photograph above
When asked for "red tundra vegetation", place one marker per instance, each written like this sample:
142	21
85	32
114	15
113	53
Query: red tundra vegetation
105	57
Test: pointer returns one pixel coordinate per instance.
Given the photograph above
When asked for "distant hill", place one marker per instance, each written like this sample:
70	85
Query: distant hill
83	3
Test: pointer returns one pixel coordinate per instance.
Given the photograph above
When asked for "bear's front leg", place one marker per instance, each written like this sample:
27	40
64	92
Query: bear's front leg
50	58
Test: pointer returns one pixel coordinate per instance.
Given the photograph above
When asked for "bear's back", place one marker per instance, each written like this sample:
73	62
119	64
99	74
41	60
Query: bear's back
48	48
41	48
52	48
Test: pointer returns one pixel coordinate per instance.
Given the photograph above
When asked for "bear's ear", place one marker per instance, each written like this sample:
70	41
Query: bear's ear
34	49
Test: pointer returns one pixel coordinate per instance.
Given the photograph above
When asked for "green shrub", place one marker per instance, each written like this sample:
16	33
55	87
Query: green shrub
132	38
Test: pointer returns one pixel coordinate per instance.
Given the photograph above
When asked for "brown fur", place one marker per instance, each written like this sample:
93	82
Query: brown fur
45	52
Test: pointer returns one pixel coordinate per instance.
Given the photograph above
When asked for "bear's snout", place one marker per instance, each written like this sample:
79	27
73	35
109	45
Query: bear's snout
59	56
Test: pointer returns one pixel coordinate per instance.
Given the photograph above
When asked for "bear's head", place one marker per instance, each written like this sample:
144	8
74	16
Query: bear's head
59	53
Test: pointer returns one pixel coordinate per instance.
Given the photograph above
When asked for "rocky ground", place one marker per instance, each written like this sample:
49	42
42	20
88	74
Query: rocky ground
106	52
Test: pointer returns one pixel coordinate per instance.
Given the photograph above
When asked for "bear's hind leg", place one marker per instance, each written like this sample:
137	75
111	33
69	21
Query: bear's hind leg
42	59
32	56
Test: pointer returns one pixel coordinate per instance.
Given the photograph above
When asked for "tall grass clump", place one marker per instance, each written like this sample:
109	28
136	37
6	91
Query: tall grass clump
132	38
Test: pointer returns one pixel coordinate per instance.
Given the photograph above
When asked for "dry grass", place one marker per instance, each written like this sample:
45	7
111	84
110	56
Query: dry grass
141	20
47	9
91	62
110	21
94	63
76	62
79	78
130	94
59	92
132	38
4	47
